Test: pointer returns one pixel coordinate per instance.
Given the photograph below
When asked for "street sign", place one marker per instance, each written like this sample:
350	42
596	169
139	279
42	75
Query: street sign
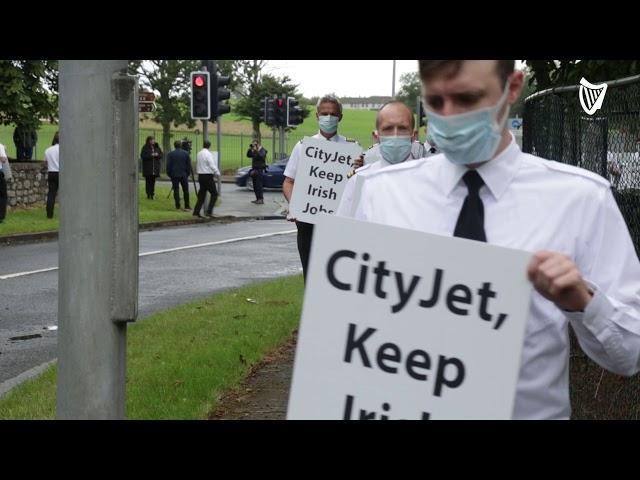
145	97
146	107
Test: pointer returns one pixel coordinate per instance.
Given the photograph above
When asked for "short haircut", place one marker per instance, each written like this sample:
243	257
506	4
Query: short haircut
428	68
56	138
177	144
329	99
393	102
206	144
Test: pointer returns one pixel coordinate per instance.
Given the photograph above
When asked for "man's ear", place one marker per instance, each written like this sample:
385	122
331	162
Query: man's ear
376	136
516	86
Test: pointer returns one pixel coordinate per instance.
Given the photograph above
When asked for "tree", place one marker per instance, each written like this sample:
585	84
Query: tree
29	92
410	89
557	73
171	80
252	86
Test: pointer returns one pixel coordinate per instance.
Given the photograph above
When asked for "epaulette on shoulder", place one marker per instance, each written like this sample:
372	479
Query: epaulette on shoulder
581	172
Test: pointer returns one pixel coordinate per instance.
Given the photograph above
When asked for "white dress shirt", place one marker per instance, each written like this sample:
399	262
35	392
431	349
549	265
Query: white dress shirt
533	204
374	161
5	168
207	162
294	158
52	156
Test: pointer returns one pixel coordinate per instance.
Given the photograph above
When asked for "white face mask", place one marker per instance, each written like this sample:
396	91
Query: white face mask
471	137
395	149
328	123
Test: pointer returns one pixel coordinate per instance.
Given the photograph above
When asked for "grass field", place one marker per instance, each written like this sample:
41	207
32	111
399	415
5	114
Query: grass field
236	135
180	361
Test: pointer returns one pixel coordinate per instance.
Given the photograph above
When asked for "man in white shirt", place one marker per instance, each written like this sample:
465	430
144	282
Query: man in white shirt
207	168
5	174
52	157
482	187
395	140
329	114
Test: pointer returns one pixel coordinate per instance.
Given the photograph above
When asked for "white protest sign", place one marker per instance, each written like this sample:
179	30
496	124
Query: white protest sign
321	177
399	324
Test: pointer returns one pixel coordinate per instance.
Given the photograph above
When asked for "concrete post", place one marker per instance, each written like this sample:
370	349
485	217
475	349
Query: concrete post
98	241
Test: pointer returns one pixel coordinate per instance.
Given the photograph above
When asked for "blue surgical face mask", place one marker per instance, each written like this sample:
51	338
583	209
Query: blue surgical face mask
328	123
470	137
395	149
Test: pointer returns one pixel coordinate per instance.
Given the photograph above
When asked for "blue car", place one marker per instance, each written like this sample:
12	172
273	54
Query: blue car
273	177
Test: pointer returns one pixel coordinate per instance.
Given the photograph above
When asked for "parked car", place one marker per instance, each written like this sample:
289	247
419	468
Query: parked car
273	177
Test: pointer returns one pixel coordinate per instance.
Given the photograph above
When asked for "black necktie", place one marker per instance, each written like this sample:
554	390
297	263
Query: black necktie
471	220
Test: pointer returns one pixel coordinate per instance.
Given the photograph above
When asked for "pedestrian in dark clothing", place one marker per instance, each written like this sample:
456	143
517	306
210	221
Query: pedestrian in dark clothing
151	155
179	169
258	156
25	138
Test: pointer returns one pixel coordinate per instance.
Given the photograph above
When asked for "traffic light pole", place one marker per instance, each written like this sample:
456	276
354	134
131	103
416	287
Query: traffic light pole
273	150
98	241
282	152
219	137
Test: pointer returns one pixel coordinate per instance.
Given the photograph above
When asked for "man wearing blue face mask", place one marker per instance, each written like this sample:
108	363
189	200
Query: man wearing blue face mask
395	143
329	114
482	187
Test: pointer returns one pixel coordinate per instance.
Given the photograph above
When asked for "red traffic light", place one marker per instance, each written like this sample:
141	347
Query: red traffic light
280	102
198	81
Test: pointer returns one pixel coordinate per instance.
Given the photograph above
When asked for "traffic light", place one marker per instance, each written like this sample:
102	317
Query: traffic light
220	94
270	112
294	112
280	113
200	93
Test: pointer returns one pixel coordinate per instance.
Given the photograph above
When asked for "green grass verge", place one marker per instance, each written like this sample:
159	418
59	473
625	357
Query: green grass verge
181	360
34	219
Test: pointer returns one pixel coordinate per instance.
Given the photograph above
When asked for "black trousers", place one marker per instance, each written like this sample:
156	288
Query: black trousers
305	236
258	183
177	182
207	184
52	180
3	197
150	185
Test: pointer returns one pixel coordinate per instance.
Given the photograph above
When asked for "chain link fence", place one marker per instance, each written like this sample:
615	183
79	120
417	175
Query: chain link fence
608	143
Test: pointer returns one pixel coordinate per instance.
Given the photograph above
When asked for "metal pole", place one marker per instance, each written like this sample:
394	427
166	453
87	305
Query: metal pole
393	83
282	154
98	245
218	121
273	142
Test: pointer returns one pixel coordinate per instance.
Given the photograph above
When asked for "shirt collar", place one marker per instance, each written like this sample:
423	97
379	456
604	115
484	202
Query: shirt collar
334	138
496	173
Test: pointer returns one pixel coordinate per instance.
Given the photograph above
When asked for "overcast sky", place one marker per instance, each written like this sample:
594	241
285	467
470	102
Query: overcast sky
345	78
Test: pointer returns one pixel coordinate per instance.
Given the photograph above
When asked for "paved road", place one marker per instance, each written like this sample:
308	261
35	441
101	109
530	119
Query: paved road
29	302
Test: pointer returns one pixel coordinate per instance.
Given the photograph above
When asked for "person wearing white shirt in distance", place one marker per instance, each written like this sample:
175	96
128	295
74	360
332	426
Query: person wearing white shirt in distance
584	268
207	168
5	174
52	157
